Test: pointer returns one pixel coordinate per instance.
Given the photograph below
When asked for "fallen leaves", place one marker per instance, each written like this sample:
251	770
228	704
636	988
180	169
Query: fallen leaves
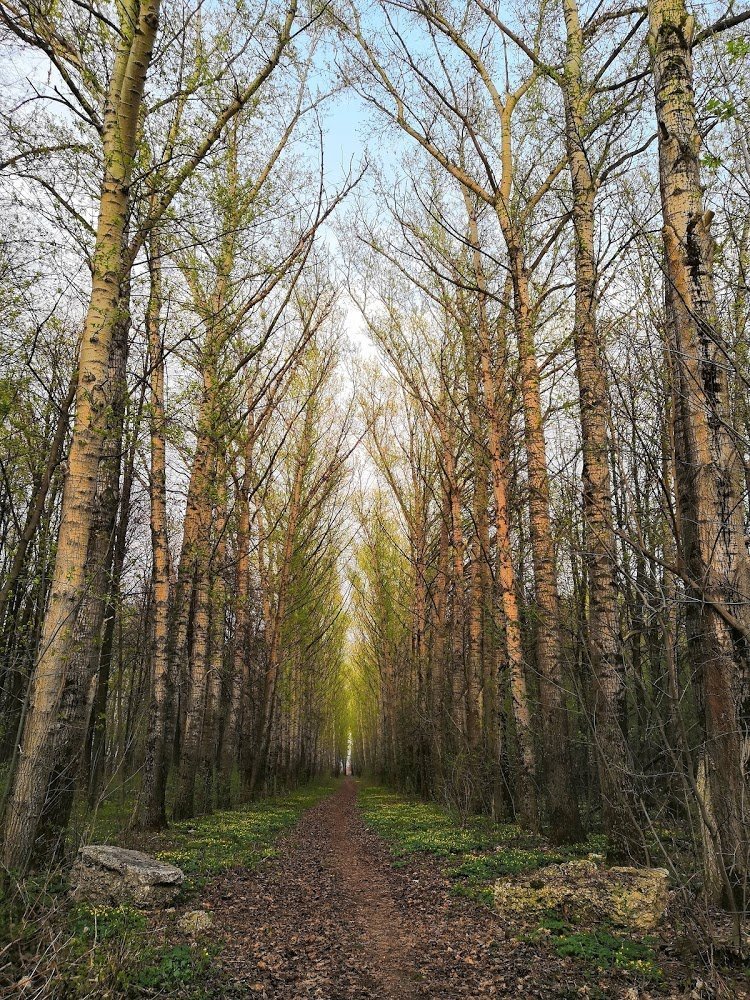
331	918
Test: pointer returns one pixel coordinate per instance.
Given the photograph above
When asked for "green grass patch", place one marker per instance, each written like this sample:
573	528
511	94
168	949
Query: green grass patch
242	837
600	947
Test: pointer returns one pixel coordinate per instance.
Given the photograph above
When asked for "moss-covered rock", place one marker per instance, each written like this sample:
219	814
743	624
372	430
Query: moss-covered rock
195	922
639	897
635	898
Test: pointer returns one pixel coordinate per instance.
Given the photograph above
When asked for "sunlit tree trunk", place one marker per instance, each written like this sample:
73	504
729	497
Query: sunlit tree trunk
564	818
613	754
94	758
35	769
527	804
14	678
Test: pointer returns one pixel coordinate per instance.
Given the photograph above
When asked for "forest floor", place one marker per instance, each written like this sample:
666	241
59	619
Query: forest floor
341	913
340	891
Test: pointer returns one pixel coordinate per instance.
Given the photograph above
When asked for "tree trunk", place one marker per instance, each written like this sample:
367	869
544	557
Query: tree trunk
35	770
241	641
527	806
709	467
151	808
564	818
613	754
268	696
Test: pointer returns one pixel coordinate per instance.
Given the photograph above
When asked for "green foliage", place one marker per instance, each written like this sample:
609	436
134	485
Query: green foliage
177	967
113	951
480	851
411	826
476	874
738	48
724	110
600	947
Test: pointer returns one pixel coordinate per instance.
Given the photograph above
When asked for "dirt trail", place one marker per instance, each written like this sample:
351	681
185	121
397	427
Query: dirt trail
368	895
331	918
321	920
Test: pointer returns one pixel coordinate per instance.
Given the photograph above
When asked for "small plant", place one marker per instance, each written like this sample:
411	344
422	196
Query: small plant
175	967
93	923
600	947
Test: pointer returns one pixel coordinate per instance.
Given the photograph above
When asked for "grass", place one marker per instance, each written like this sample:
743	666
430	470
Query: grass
600	947
122	952
205	847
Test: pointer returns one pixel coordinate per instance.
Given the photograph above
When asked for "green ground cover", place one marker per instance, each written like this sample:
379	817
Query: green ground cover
121	952
474	852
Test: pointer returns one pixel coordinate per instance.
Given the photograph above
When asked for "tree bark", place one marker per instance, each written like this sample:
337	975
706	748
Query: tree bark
240	678
564	817
605	661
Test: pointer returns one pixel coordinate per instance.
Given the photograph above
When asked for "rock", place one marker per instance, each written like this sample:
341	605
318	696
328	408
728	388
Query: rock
639	897
195	922
110	876
634	898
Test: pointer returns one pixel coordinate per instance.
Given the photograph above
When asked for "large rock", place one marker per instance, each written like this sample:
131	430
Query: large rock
635	898
109	876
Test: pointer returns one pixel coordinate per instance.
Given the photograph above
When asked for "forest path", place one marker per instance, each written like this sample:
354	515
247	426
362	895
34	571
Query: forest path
333	918
321	920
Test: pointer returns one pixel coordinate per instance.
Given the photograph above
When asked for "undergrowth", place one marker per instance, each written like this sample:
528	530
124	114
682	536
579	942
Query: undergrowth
475	851
601	947
238	838
53	947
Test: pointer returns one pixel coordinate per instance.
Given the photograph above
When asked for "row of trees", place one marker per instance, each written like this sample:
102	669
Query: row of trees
549	596
172	480
560	441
